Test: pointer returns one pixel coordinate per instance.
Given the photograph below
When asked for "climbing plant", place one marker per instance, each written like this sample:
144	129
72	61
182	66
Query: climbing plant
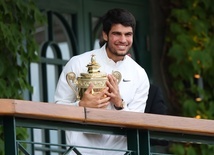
190	58
18	19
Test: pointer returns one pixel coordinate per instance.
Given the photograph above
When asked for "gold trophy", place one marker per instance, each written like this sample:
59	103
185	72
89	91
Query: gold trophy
80	84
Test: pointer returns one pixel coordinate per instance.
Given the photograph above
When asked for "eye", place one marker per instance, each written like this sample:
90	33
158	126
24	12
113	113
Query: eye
129	34
116	33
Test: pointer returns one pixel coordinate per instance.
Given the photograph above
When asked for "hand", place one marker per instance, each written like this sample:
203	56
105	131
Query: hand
96	100
113	92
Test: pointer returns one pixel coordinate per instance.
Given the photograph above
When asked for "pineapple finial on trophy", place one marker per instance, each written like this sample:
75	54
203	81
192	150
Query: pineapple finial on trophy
93	67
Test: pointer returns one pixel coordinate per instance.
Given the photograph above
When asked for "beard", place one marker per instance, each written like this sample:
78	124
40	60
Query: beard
115	52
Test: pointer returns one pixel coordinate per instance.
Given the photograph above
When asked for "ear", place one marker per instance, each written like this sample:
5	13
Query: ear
105	37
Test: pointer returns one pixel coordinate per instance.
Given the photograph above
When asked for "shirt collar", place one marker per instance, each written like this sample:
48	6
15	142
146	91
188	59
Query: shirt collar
105	56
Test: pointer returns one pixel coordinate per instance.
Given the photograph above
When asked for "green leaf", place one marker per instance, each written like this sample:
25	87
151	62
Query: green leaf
191	151
182	15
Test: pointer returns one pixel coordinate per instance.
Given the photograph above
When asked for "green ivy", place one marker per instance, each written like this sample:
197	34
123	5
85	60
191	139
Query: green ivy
18	19
191	41
17	45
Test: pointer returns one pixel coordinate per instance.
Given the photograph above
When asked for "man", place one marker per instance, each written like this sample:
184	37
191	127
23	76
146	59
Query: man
155	102
129	95
155	105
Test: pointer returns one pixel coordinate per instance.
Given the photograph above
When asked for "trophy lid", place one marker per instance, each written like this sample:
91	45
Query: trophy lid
93	70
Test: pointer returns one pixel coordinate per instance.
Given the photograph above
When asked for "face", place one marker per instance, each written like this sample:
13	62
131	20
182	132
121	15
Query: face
119	41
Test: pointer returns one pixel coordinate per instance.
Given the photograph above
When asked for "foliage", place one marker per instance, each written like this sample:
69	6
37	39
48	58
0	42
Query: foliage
191	42
192	149
17	24
17	49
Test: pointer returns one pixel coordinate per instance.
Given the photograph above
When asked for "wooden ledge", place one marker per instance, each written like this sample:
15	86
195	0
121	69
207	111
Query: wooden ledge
152	122
123	119
41	110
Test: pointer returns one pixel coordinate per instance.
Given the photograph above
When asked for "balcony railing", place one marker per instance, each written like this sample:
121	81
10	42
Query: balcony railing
139	128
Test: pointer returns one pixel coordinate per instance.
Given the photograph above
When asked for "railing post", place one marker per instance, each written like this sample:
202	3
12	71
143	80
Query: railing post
138	141
9	135
145	142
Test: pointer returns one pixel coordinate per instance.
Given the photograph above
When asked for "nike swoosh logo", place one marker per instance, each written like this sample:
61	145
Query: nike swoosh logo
126	80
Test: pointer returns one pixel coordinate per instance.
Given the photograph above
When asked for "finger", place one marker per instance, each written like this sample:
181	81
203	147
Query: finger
89	89
106	99
103	105
110	85
103	100
112	79
112	82
112	89
109	94
102	94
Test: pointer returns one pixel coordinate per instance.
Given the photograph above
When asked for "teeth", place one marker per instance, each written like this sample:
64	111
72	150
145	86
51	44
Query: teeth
121	47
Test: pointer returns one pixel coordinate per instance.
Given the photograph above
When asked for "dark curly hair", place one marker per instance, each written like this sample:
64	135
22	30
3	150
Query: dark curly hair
118	16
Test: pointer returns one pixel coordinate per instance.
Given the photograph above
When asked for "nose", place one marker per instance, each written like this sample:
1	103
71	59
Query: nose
123	38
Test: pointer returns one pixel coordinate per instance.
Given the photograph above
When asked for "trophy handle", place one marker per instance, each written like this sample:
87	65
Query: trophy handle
117	75
71	76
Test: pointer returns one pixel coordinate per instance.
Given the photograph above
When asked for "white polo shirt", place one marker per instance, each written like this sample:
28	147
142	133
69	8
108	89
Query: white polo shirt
134	88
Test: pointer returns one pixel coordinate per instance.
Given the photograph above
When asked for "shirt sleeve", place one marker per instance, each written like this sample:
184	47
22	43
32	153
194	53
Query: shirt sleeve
64	93
138	102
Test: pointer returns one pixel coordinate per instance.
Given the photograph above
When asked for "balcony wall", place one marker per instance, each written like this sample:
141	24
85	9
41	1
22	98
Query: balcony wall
139	128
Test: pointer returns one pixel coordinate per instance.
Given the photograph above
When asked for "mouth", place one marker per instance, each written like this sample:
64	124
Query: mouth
121	47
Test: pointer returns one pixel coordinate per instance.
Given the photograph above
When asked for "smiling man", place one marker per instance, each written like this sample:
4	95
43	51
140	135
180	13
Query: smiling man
119	41
129	95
